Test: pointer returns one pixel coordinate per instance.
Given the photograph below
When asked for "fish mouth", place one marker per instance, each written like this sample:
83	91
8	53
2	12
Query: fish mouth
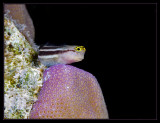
79	59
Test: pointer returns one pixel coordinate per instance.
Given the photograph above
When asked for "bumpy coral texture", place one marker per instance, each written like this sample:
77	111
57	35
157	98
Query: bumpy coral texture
69	92
22	73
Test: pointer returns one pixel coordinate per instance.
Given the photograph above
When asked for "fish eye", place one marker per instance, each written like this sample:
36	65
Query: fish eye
78	49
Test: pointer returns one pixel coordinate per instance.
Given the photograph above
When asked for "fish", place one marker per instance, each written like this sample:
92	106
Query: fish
63	54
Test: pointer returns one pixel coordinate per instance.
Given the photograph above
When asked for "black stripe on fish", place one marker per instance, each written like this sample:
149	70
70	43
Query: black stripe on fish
51	47
43	53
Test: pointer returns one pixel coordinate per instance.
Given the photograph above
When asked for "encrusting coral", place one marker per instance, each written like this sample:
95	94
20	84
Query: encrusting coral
22	20
69	92
22	73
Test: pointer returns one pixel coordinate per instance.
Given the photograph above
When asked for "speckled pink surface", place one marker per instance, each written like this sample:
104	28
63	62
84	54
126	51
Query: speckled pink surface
69	92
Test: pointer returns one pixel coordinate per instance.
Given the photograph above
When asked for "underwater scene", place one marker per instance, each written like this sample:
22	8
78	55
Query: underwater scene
79	61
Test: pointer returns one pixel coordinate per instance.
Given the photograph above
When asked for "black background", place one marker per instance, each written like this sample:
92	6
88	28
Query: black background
120	40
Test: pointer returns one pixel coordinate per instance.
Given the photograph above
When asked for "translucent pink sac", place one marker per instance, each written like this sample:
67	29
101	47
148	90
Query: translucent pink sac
69	92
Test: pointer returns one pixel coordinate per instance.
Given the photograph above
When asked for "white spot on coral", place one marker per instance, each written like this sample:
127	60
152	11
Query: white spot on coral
48	75
67	87
16	75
